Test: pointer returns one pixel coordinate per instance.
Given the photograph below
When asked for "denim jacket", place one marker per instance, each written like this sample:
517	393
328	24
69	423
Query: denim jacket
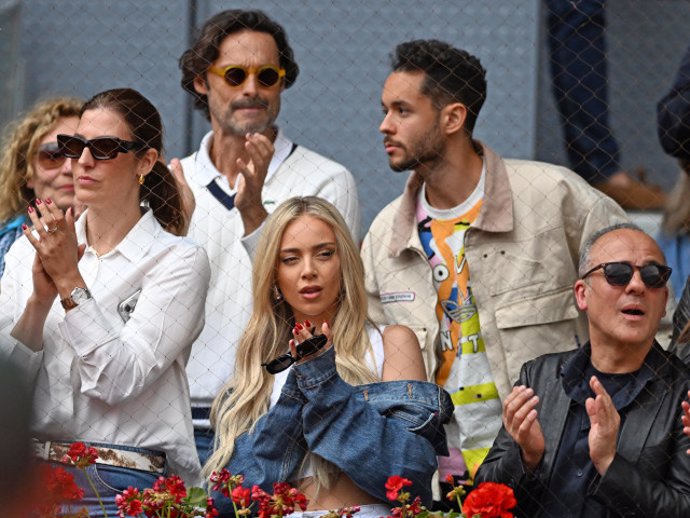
368	431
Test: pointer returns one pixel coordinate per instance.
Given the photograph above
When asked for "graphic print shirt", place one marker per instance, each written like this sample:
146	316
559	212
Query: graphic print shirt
464	370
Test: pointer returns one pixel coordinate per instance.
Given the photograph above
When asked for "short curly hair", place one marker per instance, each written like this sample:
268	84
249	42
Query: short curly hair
452	75
204	51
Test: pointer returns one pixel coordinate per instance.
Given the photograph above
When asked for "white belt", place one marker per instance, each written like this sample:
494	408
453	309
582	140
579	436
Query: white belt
55	451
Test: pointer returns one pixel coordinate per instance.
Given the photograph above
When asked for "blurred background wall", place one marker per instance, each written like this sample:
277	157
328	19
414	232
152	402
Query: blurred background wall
80	47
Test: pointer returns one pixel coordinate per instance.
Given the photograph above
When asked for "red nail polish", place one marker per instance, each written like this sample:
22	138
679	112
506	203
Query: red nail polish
48	201
24	227
38	201
30	210
298	327
307	323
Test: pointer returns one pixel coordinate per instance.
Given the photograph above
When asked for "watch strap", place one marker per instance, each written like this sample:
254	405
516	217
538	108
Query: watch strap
70	302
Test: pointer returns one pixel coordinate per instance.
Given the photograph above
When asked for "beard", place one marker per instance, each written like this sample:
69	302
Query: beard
424	152
232	126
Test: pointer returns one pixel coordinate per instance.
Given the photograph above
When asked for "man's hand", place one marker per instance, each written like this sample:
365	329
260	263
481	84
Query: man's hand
605	423
250	181
520	421
686	417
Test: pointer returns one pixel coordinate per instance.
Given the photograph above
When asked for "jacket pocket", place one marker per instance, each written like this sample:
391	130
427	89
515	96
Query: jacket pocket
423	423
534	326
556	306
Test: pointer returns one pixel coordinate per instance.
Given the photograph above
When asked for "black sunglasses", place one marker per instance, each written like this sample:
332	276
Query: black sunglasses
102	148
309	346
619	273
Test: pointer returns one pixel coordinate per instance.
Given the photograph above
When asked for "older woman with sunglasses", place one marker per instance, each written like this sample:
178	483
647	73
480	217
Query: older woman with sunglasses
321	398
100	313
31	167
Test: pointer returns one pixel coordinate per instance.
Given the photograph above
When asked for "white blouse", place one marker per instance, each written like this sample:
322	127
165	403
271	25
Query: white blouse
108	377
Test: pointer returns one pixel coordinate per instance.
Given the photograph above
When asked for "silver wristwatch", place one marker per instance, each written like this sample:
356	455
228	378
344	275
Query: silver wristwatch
76	297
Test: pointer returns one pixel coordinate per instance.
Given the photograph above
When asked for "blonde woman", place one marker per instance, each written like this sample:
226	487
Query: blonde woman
31	167
335	420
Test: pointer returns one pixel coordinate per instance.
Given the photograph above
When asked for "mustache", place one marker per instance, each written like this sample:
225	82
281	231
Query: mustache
387	141
252	102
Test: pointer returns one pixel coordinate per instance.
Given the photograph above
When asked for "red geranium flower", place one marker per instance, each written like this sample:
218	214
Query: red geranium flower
173	486
241	496
220	480
82	455
62	486
129	502
211	511
225	482
281	502
394	484
490	500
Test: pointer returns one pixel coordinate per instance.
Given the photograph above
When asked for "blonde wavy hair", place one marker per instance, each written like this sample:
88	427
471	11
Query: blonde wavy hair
245	398
20	146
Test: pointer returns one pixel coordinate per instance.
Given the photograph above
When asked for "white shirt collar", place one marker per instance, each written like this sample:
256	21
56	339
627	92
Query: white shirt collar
137	241
205	171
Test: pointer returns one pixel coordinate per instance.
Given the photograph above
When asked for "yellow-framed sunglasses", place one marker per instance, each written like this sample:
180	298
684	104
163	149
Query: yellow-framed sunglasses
235	75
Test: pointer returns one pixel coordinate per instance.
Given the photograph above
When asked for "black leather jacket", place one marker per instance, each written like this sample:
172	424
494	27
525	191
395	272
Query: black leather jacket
650	475
680	319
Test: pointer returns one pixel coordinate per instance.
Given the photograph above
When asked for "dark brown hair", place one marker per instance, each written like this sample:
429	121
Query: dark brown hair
195	61
159	191
452	75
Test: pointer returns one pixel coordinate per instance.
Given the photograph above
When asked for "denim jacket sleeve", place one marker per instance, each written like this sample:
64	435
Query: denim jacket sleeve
369	431
274	449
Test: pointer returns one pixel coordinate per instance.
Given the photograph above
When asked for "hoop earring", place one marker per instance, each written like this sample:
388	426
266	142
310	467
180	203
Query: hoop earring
141	179
276	294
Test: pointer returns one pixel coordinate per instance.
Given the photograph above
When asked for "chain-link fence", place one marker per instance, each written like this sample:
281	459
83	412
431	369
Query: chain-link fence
343	48
80	48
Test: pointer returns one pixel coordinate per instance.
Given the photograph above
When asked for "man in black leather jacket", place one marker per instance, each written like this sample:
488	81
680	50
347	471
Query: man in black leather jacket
597	432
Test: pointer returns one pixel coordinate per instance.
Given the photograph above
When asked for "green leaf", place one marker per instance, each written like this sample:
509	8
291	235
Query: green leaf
196	496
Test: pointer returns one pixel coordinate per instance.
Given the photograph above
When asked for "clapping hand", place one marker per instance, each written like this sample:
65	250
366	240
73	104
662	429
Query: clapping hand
520	421
250	182
686	417
605	423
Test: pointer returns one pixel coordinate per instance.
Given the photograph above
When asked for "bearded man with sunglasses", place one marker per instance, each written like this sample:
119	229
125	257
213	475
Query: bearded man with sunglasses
236	70
597	432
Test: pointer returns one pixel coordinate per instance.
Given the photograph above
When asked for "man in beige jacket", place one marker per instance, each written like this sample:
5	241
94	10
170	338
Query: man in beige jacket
479	254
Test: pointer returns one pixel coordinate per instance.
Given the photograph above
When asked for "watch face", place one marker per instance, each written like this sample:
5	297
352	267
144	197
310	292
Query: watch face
80	295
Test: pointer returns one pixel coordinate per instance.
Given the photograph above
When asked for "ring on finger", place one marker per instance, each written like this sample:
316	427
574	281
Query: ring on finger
51	230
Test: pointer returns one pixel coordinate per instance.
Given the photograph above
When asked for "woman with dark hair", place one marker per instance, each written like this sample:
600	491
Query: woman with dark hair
337	417
100	313
31	167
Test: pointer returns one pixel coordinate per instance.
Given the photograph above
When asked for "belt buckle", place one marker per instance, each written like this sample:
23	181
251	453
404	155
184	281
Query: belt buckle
41	449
